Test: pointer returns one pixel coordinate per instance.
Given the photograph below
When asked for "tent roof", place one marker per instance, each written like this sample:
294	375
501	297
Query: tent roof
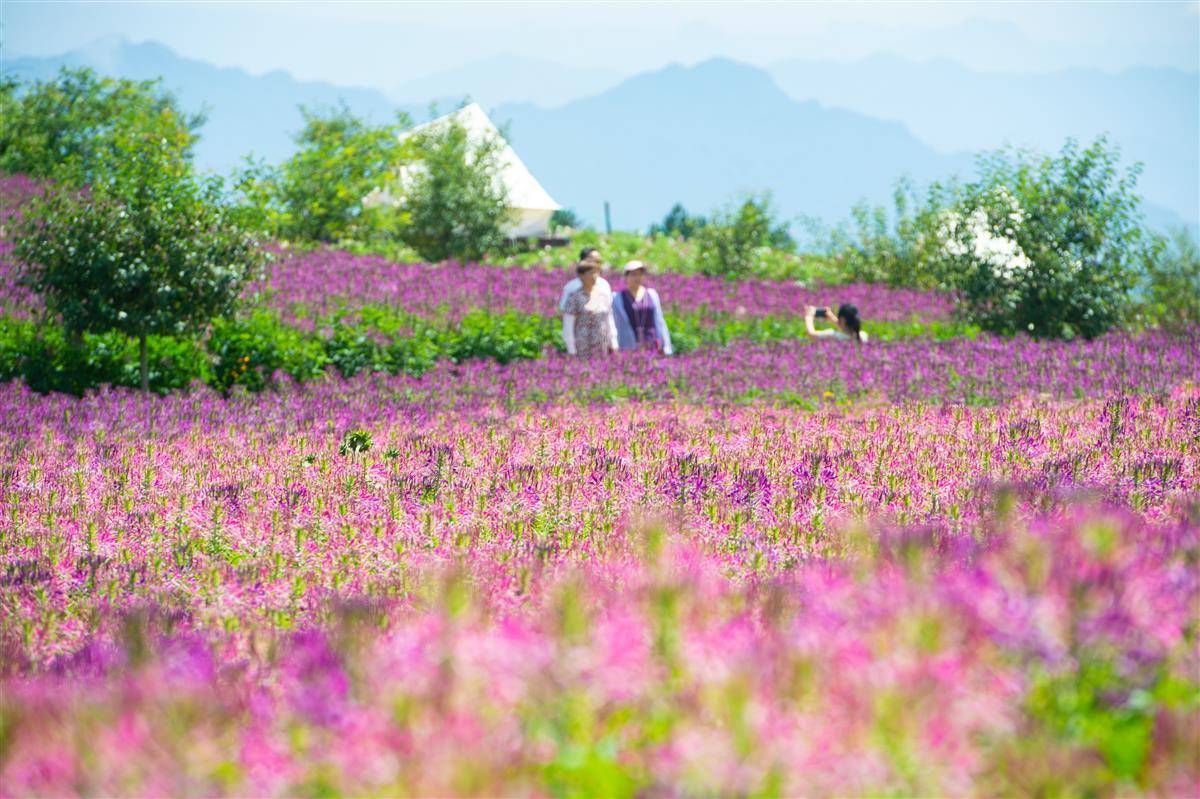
524	191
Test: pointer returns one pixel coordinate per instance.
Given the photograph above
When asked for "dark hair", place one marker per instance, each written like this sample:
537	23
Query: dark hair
586	251
849	316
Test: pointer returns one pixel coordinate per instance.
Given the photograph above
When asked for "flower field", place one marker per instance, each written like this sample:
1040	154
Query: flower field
920	567
335	590
323	281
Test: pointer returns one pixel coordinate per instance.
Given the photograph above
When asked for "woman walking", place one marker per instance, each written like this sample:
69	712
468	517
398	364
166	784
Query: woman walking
588	327
638	314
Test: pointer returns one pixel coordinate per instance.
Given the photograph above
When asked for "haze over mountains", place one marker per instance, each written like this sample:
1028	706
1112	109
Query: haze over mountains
818	134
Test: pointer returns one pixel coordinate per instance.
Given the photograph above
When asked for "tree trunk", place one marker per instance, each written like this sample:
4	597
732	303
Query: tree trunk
145	364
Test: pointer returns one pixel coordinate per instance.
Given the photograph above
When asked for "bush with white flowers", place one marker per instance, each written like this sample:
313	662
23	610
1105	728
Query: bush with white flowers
1046	246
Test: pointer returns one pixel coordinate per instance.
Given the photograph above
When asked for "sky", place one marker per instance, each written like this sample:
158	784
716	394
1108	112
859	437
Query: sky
383	44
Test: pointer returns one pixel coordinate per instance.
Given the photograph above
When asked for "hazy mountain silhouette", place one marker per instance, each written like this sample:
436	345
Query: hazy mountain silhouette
507	79
1152	114
697	135
700	134
246	113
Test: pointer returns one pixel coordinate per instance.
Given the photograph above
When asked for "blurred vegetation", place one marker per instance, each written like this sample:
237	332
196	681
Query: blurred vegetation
455	206
77	125
146	248
250	349
133	246
316	195
1169	287
678	222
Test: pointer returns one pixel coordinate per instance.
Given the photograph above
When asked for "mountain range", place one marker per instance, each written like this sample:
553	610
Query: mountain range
818	134
1152	114
247	114
699	135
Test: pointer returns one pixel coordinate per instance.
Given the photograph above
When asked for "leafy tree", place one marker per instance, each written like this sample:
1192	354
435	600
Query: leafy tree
732	242
566	217
897	248
69	127
146	249
678	222
456	204
1045	245
1171	280
317	194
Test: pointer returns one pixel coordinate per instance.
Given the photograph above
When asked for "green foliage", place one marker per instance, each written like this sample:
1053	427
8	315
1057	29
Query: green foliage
1171	281
355	442
733	241
148	249
456	204
670	254
678	222
895	248
1096	711
47	359
77	125
1045	245
317	194
249	351
695	330
505	337
565	218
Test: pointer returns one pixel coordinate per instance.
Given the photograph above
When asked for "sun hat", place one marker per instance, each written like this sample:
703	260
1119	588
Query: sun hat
634	266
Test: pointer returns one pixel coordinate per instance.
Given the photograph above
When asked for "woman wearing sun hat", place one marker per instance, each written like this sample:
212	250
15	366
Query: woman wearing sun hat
638	314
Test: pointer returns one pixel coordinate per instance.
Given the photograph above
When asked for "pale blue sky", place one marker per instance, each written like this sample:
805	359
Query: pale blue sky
383	44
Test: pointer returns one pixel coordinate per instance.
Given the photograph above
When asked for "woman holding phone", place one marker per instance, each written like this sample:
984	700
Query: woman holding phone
847	326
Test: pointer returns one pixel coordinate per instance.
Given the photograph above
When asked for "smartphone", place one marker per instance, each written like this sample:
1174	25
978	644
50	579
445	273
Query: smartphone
820	313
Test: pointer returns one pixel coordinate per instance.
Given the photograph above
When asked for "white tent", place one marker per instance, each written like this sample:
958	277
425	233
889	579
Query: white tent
530	205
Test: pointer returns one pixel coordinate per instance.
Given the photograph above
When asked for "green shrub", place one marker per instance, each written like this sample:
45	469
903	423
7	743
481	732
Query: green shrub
732	243
317	194
895	248
248	351
47	359
565	218
146	250
353	349
1045	245
505	337
1170	281
678	222
415	353
456	207
71	127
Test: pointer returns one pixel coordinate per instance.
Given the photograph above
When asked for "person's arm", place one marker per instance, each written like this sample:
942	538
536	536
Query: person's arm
660	324
562	301
810	314
612	332
569	332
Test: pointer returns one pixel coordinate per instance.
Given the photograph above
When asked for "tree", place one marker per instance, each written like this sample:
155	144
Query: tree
456	203
1046	245
730	243
319	191
678	222
565	217
67	128
147	249
898	248
1171	280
